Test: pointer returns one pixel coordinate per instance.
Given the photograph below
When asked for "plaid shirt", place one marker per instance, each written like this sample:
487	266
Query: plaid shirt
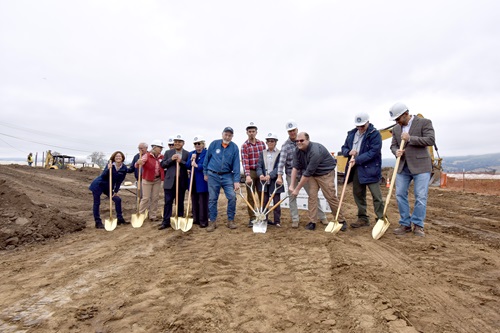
286	158
250	155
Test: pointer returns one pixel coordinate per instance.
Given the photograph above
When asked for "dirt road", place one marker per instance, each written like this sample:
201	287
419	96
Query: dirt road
59	274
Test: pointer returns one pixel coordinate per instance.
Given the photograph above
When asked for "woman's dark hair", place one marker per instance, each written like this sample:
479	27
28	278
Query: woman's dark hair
112	158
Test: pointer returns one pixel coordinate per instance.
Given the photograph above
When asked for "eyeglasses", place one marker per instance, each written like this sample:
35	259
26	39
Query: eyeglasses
270	141
197	143
301	140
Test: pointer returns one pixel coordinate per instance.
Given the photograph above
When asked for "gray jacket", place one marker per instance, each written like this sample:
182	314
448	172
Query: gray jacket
416	155
315	161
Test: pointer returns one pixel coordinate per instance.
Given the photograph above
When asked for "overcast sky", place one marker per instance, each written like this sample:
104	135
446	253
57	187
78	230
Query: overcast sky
84	76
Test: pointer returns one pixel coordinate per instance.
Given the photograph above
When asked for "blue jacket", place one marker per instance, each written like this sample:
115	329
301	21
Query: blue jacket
102	181
369	159
223	160
131	168
199	182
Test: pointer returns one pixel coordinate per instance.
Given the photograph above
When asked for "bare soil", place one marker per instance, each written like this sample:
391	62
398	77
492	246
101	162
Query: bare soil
60	274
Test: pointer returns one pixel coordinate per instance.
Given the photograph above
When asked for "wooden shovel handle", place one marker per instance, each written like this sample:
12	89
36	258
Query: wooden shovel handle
393	179
177	171
343	191
248	203
279	203
110	169
189	193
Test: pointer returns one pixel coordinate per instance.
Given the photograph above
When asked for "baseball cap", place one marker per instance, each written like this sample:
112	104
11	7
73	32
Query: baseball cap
228	129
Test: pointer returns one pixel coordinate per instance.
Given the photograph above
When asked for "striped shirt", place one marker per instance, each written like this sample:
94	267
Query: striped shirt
286	158
250	155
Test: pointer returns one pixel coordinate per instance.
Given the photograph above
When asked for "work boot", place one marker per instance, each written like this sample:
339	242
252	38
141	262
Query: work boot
402	230
311	226
344	226
211	226
231	224
250	224
360	223
418	231
99	225
121	220
295	224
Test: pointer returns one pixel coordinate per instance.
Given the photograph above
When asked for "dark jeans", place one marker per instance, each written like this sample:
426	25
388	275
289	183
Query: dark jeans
169	201
97	203
359	192
200	208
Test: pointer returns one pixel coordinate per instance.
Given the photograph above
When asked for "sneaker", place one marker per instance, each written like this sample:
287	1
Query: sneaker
325	222
295	224
211	226
99	225
277	225
402	230
419	231
311	226
344	226
231	224
360	223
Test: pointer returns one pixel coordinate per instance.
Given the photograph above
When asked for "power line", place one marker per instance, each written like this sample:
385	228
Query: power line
43	143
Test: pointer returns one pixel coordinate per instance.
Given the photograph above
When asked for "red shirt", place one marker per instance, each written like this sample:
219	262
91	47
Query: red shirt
250	155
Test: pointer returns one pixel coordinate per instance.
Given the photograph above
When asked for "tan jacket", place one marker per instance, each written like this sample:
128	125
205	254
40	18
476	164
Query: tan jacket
416	154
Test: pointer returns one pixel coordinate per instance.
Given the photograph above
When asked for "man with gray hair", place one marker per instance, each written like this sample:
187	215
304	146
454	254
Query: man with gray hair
285	166
363	147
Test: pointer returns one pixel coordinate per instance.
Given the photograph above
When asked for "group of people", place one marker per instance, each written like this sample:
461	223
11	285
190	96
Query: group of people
303	163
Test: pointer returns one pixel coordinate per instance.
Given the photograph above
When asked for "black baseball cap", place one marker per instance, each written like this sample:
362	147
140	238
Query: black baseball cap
228	129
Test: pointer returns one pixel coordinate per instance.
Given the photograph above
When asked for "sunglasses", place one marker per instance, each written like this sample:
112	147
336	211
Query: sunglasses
302	140
197	143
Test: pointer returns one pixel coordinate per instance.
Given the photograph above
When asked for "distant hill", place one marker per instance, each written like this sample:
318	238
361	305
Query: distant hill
470	163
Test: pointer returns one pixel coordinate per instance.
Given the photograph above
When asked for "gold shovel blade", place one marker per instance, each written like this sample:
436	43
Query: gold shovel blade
174	223
333	227
181	223
137	220
188	225
110	224
380	228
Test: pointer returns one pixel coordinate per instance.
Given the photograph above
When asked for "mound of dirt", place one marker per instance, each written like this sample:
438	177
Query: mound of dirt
22	221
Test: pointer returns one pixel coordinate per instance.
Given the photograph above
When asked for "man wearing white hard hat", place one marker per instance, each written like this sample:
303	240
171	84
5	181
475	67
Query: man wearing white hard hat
267	170
173	157
250	151
363	147
199	190
285	166
170	142
152	176
415	164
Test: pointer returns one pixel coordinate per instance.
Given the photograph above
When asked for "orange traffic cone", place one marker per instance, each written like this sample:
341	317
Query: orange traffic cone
387	183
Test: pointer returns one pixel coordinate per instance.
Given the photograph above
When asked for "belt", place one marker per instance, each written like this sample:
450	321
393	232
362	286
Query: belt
220	173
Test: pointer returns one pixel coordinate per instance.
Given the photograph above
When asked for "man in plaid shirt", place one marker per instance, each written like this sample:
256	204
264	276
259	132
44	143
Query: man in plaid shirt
286	165
250	151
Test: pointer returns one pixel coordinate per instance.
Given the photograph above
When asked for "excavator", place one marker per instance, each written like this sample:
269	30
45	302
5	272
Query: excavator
386	133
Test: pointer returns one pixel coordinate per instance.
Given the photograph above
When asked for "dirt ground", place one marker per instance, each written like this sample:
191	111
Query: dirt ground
60	274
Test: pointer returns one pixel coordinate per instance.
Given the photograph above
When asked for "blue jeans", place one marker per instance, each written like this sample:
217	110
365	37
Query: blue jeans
421	189
97	203
215	183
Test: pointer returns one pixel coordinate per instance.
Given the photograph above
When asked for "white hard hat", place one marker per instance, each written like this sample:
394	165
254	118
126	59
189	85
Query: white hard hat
291	125
198	138
272	136
178	137
361	118
397	109
157	143
251	125
170	140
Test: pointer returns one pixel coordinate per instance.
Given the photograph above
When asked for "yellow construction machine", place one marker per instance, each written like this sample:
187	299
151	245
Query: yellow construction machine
59	161
386	133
